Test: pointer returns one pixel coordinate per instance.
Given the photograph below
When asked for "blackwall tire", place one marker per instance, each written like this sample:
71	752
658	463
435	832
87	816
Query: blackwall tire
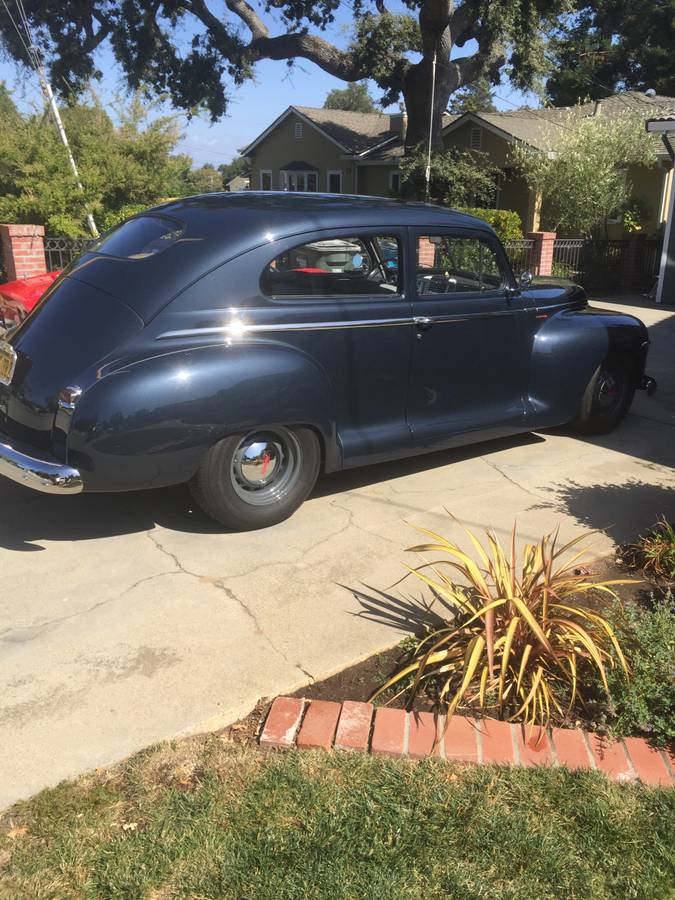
254	480
607	397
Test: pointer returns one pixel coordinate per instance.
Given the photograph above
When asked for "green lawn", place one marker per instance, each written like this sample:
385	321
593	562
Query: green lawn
202	818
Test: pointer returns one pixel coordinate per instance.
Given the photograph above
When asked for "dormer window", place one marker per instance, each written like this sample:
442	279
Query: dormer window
476	138
297	131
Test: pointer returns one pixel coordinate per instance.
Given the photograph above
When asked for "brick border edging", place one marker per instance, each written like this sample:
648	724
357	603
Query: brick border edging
293	722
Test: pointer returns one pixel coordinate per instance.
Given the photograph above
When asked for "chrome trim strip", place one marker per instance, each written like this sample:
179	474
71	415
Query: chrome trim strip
239	329
46	475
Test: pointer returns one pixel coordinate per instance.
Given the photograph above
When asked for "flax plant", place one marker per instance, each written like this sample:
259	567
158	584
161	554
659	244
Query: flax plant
521	632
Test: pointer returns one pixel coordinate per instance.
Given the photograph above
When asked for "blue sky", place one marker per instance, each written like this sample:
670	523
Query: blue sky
252	107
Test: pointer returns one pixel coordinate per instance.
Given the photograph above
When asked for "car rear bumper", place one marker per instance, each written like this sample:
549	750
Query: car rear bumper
36	469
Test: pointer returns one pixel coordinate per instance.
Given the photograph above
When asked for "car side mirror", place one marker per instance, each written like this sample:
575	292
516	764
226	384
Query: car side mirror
525	279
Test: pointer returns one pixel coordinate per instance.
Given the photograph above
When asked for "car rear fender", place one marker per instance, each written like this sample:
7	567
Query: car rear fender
150	422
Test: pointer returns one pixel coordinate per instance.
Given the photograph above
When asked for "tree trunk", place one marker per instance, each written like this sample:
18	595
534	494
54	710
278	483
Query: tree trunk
417	85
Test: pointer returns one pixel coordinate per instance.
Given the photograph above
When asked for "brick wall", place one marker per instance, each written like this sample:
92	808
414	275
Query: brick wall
426	253
23	250
542	251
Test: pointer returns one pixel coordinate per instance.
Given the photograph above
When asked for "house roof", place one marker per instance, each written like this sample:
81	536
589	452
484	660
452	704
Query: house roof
354	131
370	136
539	128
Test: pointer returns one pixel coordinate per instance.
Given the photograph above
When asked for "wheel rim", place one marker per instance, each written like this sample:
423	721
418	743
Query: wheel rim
609	392
265	467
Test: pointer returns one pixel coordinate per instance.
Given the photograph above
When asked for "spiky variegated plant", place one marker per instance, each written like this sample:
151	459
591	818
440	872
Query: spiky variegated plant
521	629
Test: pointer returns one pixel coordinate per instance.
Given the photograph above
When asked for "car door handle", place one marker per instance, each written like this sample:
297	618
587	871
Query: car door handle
423	323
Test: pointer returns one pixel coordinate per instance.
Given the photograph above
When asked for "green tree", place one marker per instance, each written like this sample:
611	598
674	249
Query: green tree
457	177
354	97
238	166
123	167
204	180
611	45
193	50
584	181
475	97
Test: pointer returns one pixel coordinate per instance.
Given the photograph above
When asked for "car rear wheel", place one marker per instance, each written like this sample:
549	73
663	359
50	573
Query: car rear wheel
254	480
607	397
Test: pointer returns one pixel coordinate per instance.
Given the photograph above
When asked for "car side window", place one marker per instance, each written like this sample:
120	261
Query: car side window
454	264
336	266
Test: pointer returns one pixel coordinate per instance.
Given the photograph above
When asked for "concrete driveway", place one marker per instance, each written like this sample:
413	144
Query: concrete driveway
128	619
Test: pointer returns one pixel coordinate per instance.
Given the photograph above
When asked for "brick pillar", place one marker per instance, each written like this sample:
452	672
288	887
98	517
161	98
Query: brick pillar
426	253
23	249
542	251
630	262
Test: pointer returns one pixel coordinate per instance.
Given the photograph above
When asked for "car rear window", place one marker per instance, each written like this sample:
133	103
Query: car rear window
140	238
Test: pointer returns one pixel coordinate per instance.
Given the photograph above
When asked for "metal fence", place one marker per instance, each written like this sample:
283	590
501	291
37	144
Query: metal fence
61	251
520	254
617	266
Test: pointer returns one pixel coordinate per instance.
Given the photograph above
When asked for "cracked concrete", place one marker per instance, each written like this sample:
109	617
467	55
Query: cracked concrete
127	619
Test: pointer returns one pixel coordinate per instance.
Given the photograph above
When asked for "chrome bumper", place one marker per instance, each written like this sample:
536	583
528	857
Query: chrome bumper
41	473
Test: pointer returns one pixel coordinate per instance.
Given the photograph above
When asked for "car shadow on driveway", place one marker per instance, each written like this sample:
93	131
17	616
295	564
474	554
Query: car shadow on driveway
28	517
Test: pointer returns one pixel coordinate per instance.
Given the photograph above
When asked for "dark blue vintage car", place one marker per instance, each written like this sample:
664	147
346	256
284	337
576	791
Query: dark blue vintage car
246	342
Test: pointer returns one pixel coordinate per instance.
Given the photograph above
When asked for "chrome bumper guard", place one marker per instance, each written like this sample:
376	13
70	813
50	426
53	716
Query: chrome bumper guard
19	463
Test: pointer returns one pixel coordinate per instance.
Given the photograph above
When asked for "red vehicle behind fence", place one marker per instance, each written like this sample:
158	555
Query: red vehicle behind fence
17	298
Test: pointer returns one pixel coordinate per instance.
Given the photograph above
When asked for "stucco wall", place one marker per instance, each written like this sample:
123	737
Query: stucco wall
281	147
374	180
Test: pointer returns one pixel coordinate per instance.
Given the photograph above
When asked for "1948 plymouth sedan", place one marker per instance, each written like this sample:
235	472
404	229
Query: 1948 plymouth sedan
245	342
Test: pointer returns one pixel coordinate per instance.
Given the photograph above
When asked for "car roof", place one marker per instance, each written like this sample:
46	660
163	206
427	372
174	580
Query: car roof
218	227
293	212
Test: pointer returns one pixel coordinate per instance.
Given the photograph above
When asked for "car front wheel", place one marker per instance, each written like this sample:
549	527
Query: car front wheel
255	480
607	397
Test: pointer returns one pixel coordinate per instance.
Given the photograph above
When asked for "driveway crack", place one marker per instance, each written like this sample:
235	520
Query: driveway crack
493	465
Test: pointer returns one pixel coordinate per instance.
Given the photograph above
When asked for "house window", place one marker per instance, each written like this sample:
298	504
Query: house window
476	138
299	181
334	181
297	130
265	179
394	182
337	266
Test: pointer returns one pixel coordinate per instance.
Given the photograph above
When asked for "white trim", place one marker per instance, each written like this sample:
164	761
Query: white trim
284	174
666	245
389	140
328	174
298	130
391	178
260	179
663	202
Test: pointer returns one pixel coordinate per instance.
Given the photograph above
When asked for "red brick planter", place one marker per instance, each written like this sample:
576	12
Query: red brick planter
356	726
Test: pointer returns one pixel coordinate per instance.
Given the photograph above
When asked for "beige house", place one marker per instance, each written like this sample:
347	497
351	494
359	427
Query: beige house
307	149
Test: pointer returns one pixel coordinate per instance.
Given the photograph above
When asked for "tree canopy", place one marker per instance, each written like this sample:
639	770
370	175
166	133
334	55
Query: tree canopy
475	97
124	167
193	51
610	45
354	97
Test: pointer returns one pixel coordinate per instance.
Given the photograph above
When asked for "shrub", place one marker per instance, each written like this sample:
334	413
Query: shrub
506	222
654	552
520	633
646	704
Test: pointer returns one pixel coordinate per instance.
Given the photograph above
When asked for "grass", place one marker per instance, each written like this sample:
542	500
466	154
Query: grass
201	818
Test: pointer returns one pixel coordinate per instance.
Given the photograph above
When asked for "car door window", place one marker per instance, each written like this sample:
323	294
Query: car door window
454	264
335	266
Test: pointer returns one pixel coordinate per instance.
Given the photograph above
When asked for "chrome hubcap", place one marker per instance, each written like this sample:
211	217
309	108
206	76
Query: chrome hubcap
608	390
265	466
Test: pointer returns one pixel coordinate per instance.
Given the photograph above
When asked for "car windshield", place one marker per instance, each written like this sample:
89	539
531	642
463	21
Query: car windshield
140	238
